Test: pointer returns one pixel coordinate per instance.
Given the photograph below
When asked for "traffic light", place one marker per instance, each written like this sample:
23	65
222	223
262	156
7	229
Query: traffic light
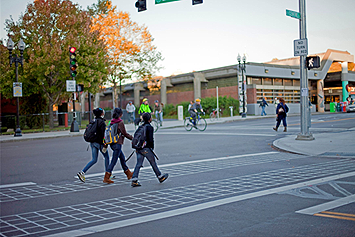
194	2
72	62
79	87
141	5
312	62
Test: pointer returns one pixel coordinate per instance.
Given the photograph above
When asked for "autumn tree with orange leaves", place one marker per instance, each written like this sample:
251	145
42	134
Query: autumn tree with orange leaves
131	53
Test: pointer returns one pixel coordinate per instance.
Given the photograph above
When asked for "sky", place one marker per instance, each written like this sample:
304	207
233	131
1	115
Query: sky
210	35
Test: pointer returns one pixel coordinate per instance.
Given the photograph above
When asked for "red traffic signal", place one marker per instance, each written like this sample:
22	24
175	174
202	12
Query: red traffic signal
141	5
72	49
72	62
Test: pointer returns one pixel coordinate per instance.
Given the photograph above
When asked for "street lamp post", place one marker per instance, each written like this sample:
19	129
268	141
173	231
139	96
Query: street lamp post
242	68
14	59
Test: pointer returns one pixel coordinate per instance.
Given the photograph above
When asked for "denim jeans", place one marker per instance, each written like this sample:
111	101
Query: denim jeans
95	148
131	116
160	116
263	110
279	119
146	152
117	152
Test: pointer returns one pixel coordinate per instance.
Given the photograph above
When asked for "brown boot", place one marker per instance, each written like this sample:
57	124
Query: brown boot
275	129
285	129
107	178
129	174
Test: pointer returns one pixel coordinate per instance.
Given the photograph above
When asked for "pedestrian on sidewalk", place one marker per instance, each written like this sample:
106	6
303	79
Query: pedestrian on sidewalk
158	110
97	145
147	152
263	104
117	147
281	113
131	110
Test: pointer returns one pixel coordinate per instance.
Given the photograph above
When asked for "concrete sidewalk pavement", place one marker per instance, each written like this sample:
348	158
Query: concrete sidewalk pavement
335	144
129	127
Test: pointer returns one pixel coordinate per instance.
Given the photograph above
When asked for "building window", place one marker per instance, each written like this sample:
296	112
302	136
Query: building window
296	82
277	82
287	82
256	81
267	81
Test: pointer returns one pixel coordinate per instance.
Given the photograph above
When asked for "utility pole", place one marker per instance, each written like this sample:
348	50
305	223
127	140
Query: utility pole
305	134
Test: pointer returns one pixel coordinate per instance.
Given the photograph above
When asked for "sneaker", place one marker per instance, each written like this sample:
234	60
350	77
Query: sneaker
135	183
163	178
81	176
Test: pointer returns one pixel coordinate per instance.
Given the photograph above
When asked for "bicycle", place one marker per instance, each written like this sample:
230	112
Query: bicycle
154	124
201	123
214	114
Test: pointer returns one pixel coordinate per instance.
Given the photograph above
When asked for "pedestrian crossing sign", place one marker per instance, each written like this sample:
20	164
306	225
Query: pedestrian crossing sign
17	89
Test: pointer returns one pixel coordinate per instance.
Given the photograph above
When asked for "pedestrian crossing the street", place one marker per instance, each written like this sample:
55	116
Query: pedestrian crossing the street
192	197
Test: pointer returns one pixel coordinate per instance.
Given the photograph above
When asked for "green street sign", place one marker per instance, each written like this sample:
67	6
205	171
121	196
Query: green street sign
164	1
293	14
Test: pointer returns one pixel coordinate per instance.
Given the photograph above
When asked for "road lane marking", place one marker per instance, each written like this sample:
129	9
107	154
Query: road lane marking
191	162
194	208
16	185
334	216
328	121
338	213
217	134
328	205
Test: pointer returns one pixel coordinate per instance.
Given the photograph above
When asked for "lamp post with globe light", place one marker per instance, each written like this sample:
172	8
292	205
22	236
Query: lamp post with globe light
14	59
241	67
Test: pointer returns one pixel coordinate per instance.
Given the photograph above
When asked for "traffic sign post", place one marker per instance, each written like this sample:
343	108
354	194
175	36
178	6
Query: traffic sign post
164	1
300	47
293	14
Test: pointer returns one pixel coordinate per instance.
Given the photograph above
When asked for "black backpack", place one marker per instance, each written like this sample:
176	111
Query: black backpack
90	134
139	138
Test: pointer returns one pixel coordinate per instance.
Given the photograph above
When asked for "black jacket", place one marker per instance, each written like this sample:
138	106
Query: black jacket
101	126
149	135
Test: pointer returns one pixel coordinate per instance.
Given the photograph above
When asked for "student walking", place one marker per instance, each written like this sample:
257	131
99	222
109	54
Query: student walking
281	113
158	112
97	145
263	104
117	147
131	110
147	152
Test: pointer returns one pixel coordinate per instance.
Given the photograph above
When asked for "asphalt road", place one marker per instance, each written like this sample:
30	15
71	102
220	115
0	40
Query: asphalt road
225	181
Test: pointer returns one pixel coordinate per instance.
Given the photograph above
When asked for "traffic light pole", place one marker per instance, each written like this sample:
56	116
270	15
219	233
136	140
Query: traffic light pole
305	134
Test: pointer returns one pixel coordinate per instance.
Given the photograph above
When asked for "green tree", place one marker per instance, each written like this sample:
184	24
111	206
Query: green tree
130	48
48	28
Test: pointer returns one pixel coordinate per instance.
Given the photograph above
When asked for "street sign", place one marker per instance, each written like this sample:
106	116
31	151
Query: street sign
293	14
164	1
300	47
17	89
312	62
71	86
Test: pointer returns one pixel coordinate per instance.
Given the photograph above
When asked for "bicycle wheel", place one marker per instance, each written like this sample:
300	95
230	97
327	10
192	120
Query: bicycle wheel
201	124
187	124
212	116
155	125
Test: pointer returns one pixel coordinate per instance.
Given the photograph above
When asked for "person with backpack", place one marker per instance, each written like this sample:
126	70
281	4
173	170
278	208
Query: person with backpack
263	104
119	130
143	142
94	134
281	113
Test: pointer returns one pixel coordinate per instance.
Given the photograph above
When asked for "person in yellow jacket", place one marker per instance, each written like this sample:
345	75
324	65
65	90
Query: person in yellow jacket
144	108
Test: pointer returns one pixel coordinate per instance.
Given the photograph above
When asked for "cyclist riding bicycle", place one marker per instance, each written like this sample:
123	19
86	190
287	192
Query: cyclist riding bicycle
145	108
193	110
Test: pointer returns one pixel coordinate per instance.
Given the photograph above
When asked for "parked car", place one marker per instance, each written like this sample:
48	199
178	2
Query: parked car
350	108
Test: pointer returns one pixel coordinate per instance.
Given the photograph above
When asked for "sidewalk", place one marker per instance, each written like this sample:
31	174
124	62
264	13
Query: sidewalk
335	144
129	127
